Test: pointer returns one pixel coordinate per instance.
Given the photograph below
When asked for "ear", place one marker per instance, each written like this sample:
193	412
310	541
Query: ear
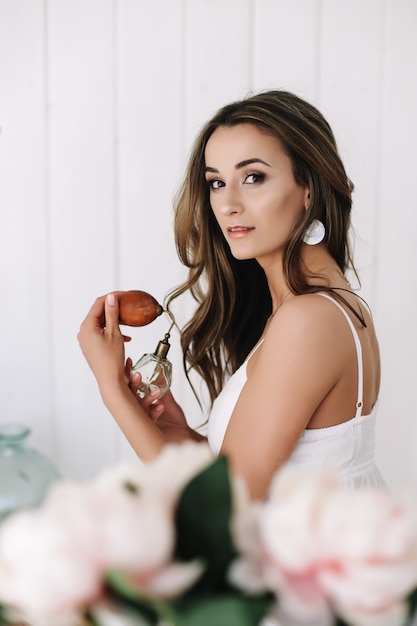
307	197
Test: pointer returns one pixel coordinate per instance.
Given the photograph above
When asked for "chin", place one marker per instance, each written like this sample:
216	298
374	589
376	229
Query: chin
241	256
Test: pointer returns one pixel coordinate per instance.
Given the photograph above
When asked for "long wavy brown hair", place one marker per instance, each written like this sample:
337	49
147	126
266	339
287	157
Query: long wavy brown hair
232	297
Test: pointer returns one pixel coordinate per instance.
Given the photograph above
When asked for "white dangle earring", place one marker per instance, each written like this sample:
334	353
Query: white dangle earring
314	233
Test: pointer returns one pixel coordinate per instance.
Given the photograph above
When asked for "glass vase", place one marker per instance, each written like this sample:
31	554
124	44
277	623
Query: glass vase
25	473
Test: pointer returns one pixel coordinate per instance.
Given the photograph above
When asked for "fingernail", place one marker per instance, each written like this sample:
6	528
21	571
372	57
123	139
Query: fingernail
111	300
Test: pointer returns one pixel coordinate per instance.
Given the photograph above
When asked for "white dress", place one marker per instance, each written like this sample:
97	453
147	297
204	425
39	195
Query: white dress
349	447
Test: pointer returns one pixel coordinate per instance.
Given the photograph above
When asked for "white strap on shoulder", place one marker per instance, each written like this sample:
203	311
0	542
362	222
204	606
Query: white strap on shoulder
359	401
254	349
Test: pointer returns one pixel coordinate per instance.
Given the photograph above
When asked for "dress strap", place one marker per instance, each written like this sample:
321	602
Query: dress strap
254	349
359	401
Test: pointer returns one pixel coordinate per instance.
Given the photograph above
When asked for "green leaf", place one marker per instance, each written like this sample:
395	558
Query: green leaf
228	610
168	614
412	607
119	587
3	619
203	524
340	622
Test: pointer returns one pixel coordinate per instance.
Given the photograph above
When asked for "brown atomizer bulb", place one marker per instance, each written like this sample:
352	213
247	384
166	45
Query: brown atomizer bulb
137	308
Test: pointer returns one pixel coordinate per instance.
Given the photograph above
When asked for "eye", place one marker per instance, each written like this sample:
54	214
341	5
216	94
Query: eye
253	178
215	183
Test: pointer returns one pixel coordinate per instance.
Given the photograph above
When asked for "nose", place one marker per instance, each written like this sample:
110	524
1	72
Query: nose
229	201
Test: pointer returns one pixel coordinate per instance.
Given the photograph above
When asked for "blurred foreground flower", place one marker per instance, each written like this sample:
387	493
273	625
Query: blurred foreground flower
177	541
323	549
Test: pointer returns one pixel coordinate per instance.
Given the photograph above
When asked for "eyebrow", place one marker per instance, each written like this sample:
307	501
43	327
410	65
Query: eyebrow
238	166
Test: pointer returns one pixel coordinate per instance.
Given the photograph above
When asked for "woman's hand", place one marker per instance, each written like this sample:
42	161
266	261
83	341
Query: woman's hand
147	422
165	412
102	343
149	402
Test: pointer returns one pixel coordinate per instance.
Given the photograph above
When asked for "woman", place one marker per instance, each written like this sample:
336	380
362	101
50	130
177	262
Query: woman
287	350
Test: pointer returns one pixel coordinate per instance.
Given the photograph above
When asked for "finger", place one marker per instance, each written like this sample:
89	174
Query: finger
126	338
95	315
151	399
134	380
169	400
111	311
156	412
128	367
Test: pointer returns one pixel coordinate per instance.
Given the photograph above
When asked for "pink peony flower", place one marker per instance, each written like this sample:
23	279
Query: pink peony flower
168	582
167	474
42	571
53	559
321	547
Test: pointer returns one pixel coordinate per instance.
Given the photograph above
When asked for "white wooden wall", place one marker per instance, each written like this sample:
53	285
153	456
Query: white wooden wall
99	102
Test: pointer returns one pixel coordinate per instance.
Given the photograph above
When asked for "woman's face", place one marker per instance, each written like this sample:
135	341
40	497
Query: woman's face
253	193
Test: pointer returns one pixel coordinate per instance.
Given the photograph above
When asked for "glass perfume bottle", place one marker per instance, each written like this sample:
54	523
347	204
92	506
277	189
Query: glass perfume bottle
155	369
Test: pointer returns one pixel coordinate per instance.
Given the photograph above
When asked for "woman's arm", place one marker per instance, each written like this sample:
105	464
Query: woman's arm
306	366
102	344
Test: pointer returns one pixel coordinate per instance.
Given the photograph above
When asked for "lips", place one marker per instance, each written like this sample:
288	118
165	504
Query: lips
239	229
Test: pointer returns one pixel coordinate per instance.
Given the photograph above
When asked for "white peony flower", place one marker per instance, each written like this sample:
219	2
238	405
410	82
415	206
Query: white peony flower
42	571
109	615
166	475
320	546
168	582
53	559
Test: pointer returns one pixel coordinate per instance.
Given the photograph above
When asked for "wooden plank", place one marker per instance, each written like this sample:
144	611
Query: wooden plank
25	367
395	280
350	94
149	158
82	205
286	46
217	58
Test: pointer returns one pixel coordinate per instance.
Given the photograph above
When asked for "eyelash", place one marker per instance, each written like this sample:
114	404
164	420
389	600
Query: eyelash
258	178
211	183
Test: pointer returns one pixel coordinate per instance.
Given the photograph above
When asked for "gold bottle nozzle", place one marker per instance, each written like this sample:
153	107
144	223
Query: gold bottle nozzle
162	347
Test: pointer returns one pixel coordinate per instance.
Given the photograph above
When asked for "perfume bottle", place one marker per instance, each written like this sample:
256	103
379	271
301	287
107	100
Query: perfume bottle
155	369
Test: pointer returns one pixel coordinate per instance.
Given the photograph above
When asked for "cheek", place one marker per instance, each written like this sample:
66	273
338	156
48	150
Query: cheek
282	213
291	203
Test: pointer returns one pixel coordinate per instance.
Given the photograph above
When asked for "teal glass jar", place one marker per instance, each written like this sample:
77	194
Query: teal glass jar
25	473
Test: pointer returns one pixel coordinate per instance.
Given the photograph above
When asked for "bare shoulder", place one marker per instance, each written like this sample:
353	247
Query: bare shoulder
322	307
307	312
307	329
